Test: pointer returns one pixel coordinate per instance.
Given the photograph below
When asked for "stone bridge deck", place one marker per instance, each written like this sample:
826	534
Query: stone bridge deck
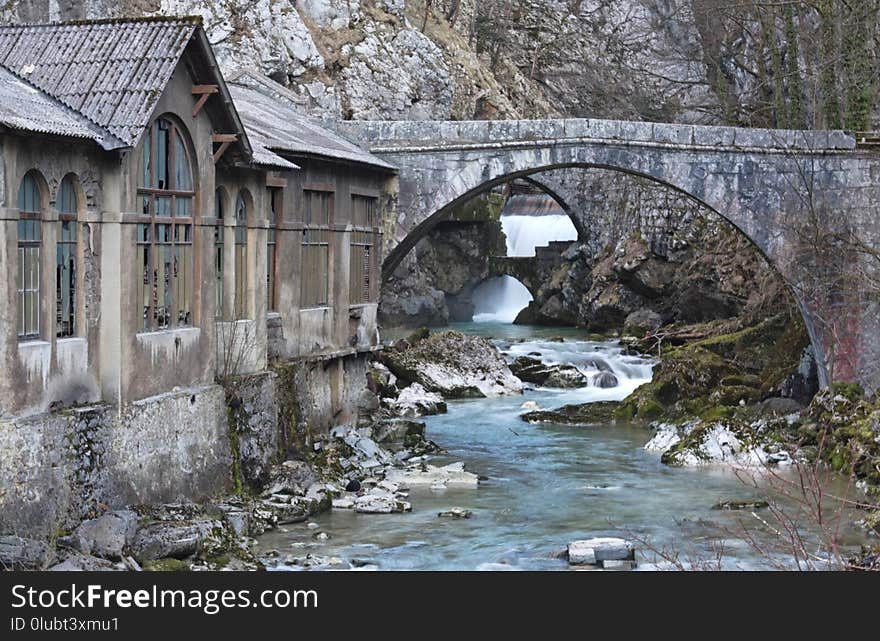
389	137
779	188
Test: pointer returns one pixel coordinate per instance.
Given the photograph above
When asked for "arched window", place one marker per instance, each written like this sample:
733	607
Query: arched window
219	244
65	259
275	213
241	276
30	242
164	235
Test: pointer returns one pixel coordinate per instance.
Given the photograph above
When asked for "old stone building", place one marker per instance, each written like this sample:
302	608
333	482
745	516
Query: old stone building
164	229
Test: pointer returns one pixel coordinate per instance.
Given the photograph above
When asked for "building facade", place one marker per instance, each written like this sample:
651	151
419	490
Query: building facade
163	230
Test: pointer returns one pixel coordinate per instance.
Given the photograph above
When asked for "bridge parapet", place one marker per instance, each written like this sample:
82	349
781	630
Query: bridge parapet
392	136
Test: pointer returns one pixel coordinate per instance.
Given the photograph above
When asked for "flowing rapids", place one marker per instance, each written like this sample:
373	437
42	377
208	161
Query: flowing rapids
547	484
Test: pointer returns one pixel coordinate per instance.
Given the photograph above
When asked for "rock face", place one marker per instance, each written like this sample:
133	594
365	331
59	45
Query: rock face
639	283
434	283
454	365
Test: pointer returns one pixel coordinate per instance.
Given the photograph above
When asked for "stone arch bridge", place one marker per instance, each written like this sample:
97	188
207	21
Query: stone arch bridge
807	199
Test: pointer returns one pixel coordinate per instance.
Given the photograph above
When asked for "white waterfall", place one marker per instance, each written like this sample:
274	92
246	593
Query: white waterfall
500	299
524	233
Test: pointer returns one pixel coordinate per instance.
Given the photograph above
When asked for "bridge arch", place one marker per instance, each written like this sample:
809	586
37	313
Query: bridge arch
770	185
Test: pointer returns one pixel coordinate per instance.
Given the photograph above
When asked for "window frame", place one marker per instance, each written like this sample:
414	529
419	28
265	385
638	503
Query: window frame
179	235
23	247
241	308
323	237
276	215
363	234
67	213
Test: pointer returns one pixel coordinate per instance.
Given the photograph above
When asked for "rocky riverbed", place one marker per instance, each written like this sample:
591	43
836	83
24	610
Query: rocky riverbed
564	456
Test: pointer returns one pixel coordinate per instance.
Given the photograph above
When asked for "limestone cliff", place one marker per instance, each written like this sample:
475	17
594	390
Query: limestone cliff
666	60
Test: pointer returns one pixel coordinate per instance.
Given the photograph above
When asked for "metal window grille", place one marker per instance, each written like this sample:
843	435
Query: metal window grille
219	244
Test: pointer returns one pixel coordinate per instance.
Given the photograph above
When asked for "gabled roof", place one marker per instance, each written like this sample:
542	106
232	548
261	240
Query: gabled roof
272	119
26	108
114	72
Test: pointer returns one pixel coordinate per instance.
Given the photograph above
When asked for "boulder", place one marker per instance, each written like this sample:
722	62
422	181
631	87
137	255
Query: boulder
107	536
290	477
454	365
414	401
18	553
604	380
455	513
397	430
178	539
381	501
641	322
584	414
532	370
601	550
453	475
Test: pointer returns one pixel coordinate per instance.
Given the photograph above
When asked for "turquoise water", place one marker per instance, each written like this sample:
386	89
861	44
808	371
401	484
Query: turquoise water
547	485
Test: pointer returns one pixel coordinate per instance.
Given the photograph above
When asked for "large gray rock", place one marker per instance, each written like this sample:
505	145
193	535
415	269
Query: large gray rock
414	401
290	477
107	536
178	539
76	562
455	365
598	550
642	322
17	553
532	370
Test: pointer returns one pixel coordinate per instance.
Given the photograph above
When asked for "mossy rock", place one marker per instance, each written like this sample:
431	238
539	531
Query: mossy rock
586	414
166	565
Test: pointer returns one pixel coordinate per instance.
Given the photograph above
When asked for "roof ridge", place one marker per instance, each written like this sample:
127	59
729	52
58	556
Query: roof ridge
195	20
110	136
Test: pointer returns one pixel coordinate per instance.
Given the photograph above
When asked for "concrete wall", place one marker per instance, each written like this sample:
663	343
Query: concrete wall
192	444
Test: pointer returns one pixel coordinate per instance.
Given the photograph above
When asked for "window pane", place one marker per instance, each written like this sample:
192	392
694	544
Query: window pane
147	160
163	153
182	174
65	279
67	196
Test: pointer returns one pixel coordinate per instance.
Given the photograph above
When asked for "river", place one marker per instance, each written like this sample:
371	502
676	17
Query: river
547	484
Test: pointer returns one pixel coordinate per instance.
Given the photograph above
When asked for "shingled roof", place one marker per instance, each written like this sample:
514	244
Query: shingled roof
272	121
26	108
112	72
